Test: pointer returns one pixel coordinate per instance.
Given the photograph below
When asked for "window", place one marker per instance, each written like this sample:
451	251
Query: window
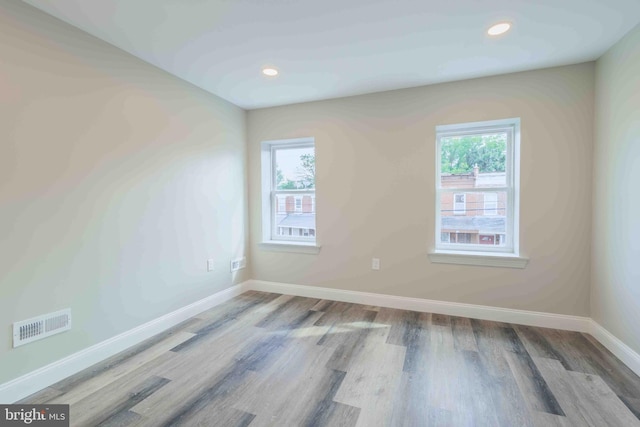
491	203
477	187
289	191
459	204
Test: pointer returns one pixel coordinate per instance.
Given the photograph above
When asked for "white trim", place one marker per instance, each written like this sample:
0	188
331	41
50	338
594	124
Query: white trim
485	259
515	183
299	247
498	314
268	184
34	381
616	346
472	127
265	183
510	126
521	317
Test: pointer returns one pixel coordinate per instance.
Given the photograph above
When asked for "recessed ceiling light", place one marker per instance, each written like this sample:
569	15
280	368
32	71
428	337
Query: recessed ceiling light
271	72
498	29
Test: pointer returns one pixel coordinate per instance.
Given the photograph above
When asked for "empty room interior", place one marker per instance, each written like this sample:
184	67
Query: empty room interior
464	252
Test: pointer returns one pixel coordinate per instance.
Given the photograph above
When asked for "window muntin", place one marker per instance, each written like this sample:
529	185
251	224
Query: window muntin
289	195
477	187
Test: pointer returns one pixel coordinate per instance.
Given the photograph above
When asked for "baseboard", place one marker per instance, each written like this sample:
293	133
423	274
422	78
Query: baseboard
521	317
616	346
32	382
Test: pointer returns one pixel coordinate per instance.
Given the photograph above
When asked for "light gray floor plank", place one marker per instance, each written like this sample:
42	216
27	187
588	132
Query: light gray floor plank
372	379
120	370
463	337
477	398
532	385
561	383
595	393
542	419
511	408
273	387
120	395
444	391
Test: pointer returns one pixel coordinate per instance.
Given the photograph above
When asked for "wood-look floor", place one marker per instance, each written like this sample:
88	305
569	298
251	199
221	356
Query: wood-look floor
274	360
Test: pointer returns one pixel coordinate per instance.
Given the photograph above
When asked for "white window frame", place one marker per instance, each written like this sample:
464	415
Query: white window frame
494	210
270	236
512	188
463	210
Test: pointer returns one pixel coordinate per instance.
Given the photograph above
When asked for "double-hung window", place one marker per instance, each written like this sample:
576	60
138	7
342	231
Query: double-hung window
289	191
477	188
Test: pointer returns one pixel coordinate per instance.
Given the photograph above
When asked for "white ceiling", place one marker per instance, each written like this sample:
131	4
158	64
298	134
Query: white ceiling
332	48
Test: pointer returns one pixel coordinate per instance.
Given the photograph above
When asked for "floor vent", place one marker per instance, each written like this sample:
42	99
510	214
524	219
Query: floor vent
40	327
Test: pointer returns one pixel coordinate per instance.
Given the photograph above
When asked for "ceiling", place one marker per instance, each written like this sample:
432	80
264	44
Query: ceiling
332	48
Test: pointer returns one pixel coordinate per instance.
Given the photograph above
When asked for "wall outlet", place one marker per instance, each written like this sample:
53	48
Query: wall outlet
375	263
238	263
210	265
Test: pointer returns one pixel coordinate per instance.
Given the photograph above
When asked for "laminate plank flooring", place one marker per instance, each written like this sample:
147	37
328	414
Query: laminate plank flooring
265	359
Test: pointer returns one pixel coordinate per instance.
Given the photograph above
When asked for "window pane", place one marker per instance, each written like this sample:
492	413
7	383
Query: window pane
471	161
476	218
296	214
295	168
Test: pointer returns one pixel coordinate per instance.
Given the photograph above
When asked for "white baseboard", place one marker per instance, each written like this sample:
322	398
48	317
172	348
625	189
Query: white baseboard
616	346
44	377
32	382
521	317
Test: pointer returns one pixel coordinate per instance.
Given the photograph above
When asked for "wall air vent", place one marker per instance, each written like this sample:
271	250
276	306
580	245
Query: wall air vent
40	327
238	263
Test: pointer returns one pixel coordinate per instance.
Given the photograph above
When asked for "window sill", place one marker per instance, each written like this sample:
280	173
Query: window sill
478	258
294	247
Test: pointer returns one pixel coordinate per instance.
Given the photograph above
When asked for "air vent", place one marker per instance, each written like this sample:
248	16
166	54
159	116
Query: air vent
40	327
238	263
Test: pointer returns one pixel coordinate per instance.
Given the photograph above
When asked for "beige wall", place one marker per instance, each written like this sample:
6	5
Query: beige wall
117	182
615	294
375	190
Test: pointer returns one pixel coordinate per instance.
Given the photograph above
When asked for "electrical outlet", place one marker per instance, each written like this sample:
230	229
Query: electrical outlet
375	263
210	265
